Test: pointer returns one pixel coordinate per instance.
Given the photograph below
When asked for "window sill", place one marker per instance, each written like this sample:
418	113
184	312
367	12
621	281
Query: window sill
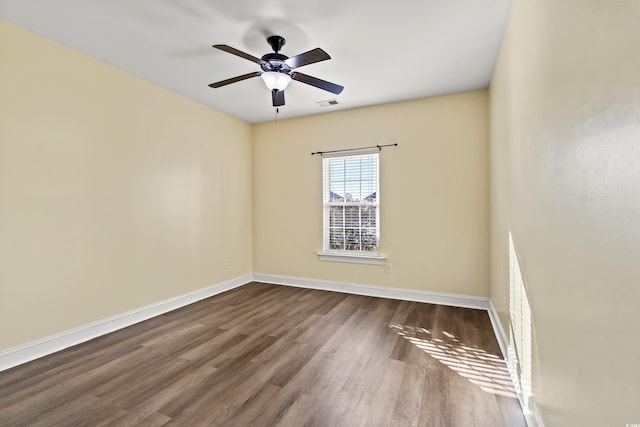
356	259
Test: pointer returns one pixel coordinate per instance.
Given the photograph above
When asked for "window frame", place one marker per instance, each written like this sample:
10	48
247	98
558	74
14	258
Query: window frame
346	255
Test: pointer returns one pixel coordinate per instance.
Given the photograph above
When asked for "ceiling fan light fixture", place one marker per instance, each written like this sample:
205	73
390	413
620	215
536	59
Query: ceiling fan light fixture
275	80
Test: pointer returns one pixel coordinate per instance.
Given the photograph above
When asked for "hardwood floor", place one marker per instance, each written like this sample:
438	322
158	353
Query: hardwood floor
267	355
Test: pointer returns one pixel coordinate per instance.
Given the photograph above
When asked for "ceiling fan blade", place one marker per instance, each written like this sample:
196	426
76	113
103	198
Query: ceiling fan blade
319	83
277	96
234	79
314	55
239	53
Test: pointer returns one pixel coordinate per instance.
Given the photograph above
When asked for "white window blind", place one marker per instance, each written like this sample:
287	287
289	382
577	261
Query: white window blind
351	203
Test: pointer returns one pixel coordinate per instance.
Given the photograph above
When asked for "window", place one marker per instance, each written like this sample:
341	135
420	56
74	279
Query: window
351	205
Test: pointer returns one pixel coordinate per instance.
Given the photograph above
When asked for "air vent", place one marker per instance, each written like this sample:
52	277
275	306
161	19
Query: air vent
329	103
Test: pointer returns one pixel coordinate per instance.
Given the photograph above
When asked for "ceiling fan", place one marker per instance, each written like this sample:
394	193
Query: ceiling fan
278	69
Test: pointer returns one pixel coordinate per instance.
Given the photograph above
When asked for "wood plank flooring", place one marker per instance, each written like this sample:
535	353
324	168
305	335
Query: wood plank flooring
267	355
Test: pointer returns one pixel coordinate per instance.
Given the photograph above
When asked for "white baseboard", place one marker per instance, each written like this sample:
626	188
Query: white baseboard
534	419
498	330
47	345
531	413
377	291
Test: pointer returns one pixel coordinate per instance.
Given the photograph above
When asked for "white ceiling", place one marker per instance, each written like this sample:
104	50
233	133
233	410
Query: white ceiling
382	51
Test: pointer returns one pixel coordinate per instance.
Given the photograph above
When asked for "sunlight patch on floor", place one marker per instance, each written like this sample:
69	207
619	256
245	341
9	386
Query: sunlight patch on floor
486	370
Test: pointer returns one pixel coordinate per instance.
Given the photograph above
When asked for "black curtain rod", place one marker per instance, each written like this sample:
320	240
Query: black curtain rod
379	147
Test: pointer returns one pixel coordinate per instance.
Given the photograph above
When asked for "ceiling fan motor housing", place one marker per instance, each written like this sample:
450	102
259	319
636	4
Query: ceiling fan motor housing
275	62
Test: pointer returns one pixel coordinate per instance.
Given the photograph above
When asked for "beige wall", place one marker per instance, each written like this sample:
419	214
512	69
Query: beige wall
565	154
434	193
114	193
